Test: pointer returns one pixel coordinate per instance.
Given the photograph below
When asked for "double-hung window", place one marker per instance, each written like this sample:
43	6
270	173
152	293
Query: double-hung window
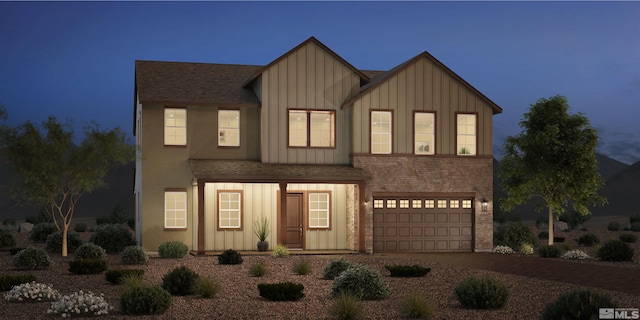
175	126
319	210
311	128
381	131
175	209
424	131
466	134
230	210
228	128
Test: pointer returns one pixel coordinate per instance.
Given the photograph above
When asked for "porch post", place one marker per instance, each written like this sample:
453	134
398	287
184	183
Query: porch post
200	217
362	228
283	213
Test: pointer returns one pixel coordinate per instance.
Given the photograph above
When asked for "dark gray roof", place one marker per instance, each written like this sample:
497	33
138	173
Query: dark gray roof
247	170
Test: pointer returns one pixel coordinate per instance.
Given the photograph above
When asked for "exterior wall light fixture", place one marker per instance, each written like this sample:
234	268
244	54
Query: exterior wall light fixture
484	203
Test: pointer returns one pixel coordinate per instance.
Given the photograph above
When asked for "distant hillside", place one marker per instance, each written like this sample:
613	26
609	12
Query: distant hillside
622	189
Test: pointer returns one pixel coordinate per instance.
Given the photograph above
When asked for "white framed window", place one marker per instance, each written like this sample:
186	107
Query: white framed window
229	210
424	133
466	204
442	204
175	209
466	134
175	126
454	204
416	204
404	203
429	204
378	203
311	128
391	204
319	210
381	131
229	128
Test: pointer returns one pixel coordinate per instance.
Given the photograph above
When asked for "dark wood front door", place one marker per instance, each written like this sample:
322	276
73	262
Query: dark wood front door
294	228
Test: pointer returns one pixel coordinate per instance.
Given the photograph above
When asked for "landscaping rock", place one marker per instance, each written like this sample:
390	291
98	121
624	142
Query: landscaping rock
560	226
25	227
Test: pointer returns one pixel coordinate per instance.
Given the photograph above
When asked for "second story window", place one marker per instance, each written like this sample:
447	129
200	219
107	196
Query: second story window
424	131
229	128
381	129
466	134
175	127
311	128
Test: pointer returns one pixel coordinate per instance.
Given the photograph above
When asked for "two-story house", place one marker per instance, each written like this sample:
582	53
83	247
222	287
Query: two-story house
335	157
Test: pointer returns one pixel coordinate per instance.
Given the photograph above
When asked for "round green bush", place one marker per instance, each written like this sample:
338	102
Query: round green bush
615	250
282	291
549	251
87	266
628	237
80	227
41	231
230	256
117	276
408	271
514	234
482	293
363	282
577	304
145	300
180	281
613	226
31	258
134	255
90	251
7	281
336	267
173	249
54	242
7	240
588	240
112	237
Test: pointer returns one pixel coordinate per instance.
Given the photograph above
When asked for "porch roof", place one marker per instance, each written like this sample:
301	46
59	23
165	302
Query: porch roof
255	171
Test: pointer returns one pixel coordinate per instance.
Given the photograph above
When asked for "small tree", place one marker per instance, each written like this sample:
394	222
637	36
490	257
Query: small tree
53	172
553	160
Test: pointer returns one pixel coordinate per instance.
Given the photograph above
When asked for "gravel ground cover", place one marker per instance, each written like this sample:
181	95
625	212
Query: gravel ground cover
239	298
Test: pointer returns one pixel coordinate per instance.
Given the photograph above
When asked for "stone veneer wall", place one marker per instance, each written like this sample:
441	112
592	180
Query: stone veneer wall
448	174
352	213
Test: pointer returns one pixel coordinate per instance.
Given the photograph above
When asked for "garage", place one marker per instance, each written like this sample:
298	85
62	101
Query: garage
422	224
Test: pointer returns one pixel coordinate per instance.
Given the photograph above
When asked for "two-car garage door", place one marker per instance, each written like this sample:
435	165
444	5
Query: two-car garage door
422	224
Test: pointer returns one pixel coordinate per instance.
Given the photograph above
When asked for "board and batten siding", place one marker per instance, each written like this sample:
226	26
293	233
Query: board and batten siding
422	86
308	78
262	199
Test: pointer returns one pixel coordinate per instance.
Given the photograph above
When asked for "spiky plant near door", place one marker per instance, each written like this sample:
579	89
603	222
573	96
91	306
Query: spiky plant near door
262	231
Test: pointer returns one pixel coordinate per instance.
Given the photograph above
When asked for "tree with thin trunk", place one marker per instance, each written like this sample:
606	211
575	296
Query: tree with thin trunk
52	172
552	160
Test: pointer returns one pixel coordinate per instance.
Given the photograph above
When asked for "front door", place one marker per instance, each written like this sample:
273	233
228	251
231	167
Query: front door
294	228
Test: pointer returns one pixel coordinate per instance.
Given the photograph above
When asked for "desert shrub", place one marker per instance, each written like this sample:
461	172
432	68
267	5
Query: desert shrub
282	291
41	217
112	237
336	267
31	258
145	300
615	250
206	287
575	255
32	292
574	219
259	269
481	293
408	271
526	248
543	235
302	267
634	218
346	306
173	249
364	282
80	304
180	281
503	250
635	226
54	242
87	266
7	240
117	216
588	240
119	275
514	234
416	305
80	227
9	280
577	304
41	231
549	251
230	256
280	251
90	251
14	250
134	255
613	226
628	237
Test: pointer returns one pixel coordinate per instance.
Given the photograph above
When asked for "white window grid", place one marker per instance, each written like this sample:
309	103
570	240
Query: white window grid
454	204
424	133
466	204
175	209
229	128
404	204
318	210
466	134
381	132
416	204
175	126
229	210
442	204
429	204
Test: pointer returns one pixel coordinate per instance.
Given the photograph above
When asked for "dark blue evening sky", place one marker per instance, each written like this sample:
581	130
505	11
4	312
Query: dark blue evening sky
75	60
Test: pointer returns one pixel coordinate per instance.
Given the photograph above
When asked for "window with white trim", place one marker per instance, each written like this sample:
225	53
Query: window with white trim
311	128
230	210
424	131
229	128
381	132
175	126
466	134
175	209
319	210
